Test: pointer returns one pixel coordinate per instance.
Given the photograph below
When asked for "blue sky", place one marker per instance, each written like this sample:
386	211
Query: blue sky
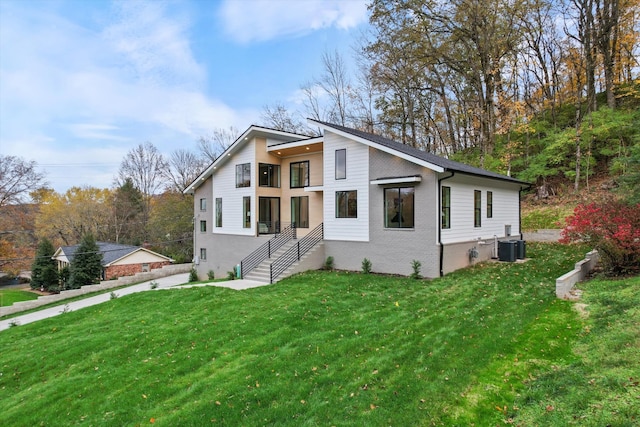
84	81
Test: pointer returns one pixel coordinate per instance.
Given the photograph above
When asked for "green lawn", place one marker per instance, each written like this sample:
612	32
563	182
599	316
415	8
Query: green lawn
485	346
9	296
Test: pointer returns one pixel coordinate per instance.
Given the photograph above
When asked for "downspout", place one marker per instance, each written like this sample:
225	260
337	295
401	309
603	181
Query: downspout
440	221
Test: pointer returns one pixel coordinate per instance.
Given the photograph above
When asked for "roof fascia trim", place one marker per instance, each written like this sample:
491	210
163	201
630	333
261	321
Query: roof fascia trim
388	150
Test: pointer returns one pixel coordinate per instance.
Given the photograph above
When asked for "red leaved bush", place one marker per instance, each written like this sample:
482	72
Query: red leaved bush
613	228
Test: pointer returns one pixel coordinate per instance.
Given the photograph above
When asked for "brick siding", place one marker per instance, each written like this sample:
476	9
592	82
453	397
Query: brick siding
115	271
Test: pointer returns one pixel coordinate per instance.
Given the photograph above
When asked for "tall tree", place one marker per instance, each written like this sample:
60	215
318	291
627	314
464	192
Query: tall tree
183	167
86	265
211	146
276	116
65	218
172	225
18	178
127	206
44	272
146	167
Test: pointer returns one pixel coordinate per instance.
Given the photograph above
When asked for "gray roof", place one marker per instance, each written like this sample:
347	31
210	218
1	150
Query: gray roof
110	251
442	162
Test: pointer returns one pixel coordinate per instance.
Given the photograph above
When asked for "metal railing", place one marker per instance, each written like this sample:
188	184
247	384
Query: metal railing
294	253
254	259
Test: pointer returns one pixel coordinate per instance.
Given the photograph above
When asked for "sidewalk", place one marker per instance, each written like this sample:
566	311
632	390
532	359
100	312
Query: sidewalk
163	283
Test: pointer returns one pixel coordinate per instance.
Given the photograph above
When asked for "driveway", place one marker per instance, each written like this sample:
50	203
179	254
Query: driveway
163	283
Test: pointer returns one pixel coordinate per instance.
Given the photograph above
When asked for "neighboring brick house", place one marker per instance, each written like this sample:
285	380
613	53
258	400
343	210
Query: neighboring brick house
117	260
363	195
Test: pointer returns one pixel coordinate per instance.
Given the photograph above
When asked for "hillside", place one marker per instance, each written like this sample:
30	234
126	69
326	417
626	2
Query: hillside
486	345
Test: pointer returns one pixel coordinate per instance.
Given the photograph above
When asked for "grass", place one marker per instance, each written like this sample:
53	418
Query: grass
9	296
483	346
545	217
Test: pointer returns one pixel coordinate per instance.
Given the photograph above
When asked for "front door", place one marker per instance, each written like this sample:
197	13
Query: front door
268	215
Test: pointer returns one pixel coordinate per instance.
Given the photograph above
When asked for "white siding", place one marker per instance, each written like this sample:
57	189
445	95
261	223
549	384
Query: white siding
225	187
505	209
351	229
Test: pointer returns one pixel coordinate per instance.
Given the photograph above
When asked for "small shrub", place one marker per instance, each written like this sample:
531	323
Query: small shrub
366	266
113	295
231	275
14	323
328	263
613	229
193	275
211	275
415	266
153	285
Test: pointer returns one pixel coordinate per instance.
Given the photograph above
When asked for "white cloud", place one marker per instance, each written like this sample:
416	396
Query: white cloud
68	90
260	20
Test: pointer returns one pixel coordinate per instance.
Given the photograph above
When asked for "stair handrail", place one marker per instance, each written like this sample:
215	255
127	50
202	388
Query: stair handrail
254	259
295	252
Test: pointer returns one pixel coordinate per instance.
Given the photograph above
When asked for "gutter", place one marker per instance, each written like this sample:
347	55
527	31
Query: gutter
440	221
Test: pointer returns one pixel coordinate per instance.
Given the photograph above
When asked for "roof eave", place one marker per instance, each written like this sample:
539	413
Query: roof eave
380	147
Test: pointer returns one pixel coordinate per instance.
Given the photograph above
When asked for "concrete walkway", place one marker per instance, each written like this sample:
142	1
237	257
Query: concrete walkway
163	283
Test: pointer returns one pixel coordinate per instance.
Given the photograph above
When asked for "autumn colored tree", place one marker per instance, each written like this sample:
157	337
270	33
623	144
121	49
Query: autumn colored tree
86	265
172	225
65	218
613	229
44	271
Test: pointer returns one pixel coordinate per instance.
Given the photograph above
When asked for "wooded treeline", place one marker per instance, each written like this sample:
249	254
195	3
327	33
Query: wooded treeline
511	86
146	205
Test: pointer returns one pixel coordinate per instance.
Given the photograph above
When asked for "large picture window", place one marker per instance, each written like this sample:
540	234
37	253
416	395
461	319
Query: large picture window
399	207
299	174
446	207
341	164
300	211
477	208
269	175
219	212
346	204
243	175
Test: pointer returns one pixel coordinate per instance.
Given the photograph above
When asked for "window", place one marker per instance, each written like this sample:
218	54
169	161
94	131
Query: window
246	212
219	212
341	164
446	207
203	253
346	204
477	208
203	204
299	174
300	211
269	175
398	207
489	204
243	175
145	267
203	226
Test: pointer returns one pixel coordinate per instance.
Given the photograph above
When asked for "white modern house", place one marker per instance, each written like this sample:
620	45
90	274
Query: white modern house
275	203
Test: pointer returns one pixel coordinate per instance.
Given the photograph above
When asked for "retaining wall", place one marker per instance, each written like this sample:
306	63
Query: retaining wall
566	282
167	270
